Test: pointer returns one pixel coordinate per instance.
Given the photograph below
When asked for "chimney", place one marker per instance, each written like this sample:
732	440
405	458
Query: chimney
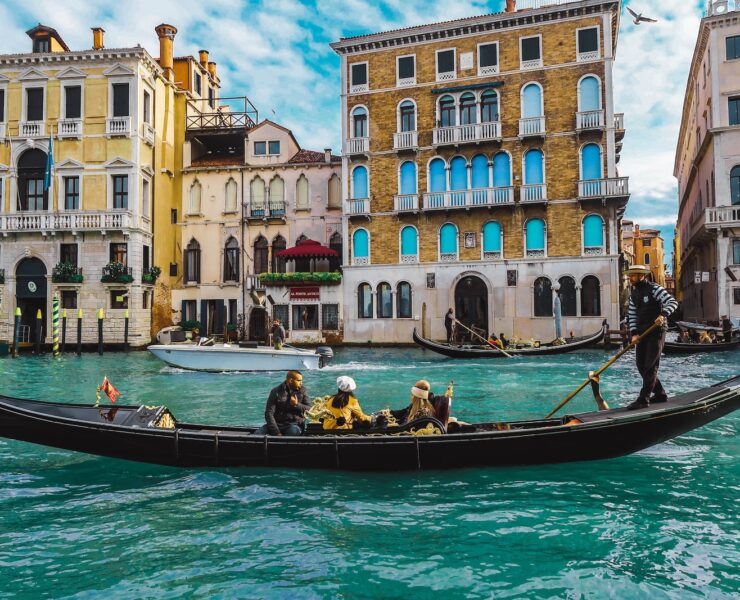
203	58
510	6
327	155
98	33
166	34
212	70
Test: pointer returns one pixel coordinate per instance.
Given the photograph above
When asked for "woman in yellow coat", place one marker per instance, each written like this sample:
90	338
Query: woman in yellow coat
344	408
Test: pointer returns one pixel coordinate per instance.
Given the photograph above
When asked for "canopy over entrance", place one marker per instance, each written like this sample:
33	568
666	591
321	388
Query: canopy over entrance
307	249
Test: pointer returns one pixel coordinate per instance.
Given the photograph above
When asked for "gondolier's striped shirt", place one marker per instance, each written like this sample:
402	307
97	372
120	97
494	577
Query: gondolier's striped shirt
639	313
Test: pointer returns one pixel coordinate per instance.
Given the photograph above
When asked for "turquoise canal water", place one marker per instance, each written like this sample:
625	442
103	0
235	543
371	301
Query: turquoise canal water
659	524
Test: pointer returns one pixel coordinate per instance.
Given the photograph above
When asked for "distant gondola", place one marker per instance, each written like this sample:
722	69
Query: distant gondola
477	351
152	435
696	348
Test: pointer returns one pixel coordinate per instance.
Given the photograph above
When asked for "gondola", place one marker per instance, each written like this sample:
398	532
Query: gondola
476	351
695	348
152	435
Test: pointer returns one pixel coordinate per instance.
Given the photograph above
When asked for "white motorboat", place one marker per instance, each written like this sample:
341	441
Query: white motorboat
227	357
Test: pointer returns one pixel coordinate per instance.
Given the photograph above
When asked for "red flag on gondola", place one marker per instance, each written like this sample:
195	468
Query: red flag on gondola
109	389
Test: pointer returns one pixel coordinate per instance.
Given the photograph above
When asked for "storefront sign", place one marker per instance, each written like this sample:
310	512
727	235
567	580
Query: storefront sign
305	293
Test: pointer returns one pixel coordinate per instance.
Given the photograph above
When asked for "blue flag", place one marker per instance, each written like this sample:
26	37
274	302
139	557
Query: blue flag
49	165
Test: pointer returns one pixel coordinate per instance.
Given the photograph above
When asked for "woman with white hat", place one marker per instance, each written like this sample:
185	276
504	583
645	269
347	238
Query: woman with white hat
344	408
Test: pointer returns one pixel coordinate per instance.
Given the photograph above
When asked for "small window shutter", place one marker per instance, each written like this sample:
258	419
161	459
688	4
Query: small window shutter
446	61
35	104
588	40
531	48
120	100
72	102
359	74
488	55
220	318
2	106
204	317
183	310
406	67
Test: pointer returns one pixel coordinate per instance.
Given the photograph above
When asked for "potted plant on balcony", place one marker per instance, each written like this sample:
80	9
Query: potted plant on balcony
191	328
116	272
66	272
150	275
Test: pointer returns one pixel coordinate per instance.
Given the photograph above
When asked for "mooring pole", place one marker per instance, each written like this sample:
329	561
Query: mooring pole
39	318
55	325
64	330
17	332
125	331
101	316
79	332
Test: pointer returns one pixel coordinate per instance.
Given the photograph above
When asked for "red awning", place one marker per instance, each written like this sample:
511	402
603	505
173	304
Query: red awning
308	249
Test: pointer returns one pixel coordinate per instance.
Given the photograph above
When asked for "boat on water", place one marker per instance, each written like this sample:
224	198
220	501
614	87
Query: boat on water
480	351
153	435
217	358
696	348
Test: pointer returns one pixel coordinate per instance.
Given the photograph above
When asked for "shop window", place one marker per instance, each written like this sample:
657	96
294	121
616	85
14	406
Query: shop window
330	316
118	299
69	299
281	312
305	316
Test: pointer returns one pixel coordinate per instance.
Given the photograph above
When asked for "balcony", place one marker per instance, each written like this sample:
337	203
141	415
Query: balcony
534	192
358	206
32	129
234	114
467	134
532	127
115	272
46	222
148	134
469	198
359	145
253	282
588	56
66	273
590	120
274	209
406	202
409	259
721	217
69	128
319	277
118	126
406	140
619	125
535	63
616	187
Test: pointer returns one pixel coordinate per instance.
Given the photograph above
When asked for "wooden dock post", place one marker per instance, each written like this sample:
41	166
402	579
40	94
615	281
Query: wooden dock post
39	323
79	332
101	316
17	331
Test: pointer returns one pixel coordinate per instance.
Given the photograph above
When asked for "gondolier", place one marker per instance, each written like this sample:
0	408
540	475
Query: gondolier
649	303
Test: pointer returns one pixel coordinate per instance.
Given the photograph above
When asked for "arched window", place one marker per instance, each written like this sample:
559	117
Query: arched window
335	192
447	112
589	94
480	176
277	196
359	183
359	122
231	260
360	247
230	201
301	193
260	253
458	173
407	116
501	170
534	169
492	240
448	243
364	301
192	262
590	297
591	162
735	186
647	259
335	243
531	101
593	235
409	244
385	301
278	262
535	237
301	238
195	194
567	295
489	107
542	297
403	300
468	109
408	178
257	197
437	176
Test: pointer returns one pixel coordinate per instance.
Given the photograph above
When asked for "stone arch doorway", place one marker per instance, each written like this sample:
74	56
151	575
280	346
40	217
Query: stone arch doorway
471	305
30	293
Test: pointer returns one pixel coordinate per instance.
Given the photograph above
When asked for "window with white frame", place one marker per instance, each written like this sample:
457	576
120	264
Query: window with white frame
146	198
71	193
406	70
488	58
358	78
587	40
147	108
120	191
230	200
530	52
302	193
121	104
72	101
446	64
195	196
198	83
34	104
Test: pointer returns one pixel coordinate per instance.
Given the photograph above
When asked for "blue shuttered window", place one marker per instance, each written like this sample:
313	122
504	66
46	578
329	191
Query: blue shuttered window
437	176
360	244
531	101
501	170
534	167
448	239
591	162
492	237
593	231
408	178
359	183
535	234
590	94
480	172
409	241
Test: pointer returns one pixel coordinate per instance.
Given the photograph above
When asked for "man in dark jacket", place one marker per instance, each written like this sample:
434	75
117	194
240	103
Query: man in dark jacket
285	407
449	320
278	334
649	303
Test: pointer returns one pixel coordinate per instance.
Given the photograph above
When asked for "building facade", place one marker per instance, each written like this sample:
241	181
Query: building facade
480	170
88	150
649	250
707	167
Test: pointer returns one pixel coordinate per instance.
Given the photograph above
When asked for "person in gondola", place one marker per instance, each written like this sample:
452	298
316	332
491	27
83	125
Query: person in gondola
345	409
494	341
285	407
504	341
726	328
449	321
684	337
423	404
705	338
713	337
649	303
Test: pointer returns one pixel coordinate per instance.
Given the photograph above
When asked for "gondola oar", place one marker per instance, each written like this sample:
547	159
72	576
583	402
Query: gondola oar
506	354
595	374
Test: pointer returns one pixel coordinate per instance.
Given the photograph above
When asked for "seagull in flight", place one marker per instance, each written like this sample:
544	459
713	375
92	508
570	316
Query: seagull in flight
639	18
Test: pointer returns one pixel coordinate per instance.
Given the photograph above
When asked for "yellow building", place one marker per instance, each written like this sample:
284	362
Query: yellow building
649	251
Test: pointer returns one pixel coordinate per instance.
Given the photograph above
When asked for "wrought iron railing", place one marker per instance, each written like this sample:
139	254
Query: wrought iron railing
113	274
66	274
202	114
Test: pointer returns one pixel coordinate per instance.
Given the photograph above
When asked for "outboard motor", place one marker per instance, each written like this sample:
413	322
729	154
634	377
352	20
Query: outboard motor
326	355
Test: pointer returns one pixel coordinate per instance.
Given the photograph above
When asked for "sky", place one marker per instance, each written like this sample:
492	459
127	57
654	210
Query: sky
277	53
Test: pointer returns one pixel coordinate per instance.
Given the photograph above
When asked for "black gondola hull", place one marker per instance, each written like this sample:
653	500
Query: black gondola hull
684	348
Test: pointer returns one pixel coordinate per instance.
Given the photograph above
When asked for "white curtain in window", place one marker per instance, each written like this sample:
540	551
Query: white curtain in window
335	192
277	191
195	193
257	193
230	204
301	193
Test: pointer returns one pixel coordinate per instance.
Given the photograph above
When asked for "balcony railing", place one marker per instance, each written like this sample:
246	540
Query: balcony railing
406	202
722	216
117	275
614	187
148	133
532	126
69	128
358	206
463	134
469	198
406	81
116	126
66	221
253	282
619	121
274	209
61	274
592	119
359	145
232	113
535	63
409	259
32	129
533	192
405	140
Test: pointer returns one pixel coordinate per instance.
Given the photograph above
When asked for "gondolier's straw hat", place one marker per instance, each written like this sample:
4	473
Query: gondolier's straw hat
637	270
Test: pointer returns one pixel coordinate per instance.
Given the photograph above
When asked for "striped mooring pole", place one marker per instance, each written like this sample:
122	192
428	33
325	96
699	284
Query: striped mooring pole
17	332
55	325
